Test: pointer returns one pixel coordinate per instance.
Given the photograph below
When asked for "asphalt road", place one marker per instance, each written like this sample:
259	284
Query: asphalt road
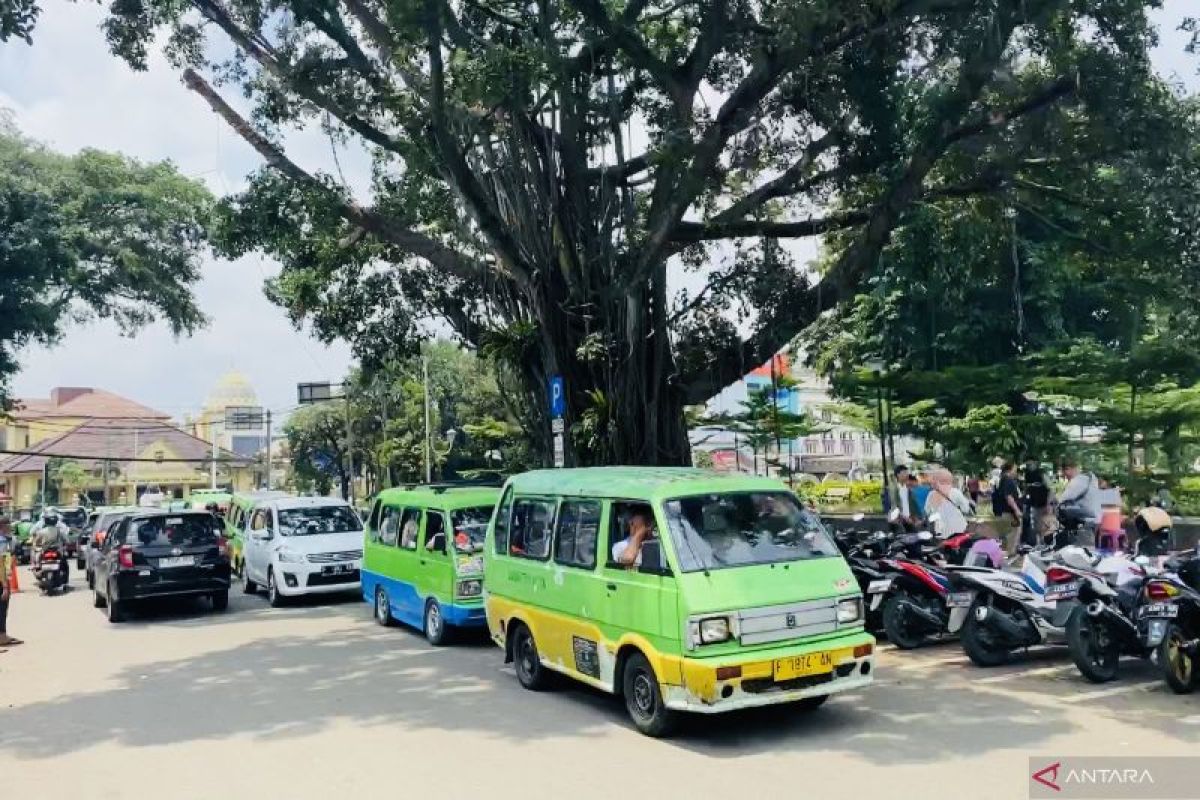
316	701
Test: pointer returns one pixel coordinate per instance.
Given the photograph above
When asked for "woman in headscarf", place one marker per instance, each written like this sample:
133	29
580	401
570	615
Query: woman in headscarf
948	503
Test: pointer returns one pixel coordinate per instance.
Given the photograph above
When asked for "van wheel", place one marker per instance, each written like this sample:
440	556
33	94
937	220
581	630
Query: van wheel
643	698
248	586
383	609
98	600
435	624
273	596
220	601
530	671
91	579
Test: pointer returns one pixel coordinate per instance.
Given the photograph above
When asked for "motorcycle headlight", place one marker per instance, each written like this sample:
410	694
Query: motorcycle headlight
471	588
714	629
290	557
849	610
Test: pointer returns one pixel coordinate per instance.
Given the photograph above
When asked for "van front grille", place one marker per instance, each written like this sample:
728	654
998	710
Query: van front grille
791	621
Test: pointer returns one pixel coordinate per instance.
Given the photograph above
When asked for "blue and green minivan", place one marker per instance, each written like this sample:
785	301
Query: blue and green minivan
423	557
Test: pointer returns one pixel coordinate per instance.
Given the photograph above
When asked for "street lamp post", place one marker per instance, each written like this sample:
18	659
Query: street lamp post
876	367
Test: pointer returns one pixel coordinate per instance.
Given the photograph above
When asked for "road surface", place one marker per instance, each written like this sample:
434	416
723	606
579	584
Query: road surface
316	701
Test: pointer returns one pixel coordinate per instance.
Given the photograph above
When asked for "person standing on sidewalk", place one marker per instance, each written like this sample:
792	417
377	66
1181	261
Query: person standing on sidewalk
5	586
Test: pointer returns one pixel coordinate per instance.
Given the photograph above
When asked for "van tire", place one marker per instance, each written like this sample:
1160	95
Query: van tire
98	600
383	608
248	586
811	703
530	672
434	624
643	698
220	601
116	609
274	597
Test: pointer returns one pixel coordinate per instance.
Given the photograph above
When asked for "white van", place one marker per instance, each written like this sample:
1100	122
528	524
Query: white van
302	545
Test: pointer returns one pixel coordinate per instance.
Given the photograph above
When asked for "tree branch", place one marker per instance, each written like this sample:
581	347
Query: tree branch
631	44
781	185
382	226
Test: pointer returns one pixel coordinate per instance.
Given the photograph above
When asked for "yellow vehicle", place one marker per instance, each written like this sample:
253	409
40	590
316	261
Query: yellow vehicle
677	589
236	520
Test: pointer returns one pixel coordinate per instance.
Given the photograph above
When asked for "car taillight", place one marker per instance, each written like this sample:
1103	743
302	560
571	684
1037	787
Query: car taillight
222	547
50	555
125	556
1158	590
1059	575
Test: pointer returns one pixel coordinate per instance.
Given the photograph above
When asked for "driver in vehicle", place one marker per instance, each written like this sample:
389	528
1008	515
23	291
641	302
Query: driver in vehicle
640	528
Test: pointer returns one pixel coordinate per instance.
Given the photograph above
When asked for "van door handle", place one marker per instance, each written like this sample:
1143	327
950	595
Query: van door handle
612	587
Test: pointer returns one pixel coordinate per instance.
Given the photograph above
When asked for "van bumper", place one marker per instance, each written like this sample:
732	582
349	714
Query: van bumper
704	691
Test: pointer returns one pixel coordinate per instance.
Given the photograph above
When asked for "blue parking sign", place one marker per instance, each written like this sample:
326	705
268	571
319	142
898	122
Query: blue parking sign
558	399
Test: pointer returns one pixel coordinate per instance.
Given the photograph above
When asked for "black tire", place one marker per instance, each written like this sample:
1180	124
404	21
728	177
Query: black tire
98	600
643	698
248	586
220	601
91	579
80	564
530	672
434	624
812	703
276	599
116	608
1178	668
898	631
979	644
1095	652
383	608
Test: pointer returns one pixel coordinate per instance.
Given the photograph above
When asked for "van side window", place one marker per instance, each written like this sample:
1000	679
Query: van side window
578	529
373	520
618	529
435	531
389	528
532	528
502	526
410	525
259	521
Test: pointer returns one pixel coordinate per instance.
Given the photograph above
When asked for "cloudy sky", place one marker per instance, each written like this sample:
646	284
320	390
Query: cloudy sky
67	90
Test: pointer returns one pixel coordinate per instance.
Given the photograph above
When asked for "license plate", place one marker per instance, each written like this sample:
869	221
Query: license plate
959	599
337	569
50	567
1160	610
1062	591
875	587
178	561
785	669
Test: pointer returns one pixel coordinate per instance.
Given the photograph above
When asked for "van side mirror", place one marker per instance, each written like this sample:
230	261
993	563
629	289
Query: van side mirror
652	558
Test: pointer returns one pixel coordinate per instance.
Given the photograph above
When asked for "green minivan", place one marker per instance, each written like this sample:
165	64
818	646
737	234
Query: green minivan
422	557
236	519
677	589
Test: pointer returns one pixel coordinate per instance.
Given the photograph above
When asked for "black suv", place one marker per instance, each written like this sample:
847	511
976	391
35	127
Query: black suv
159	553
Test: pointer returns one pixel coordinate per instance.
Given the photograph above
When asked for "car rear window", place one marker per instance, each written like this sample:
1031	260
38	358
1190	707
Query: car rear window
172	531
75	518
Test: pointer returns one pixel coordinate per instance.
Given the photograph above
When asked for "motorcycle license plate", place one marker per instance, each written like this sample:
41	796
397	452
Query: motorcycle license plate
50	567
1062	591
785	669
959	599
875	587
1169	610
177	561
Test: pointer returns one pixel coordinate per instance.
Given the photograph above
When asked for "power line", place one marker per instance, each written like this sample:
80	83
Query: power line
209	460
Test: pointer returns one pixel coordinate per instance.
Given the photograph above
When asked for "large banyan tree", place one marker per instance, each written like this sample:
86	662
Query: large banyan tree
607	190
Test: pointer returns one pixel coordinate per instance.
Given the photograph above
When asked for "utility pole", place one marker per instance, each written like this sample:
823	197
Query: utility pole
212	466
383	415
133	465
107	456
349	447
268	448
428	435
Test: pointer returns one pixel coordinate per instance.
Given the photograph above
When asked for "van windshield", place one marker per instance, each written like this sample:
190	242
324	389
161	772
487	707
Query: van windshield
316	520
716	531
470	526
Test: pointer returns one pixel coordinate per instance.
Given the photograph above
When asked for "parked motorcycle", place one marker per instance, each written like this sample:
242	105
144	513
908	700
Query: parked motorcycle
1111	594
1176	609
998	611
51	570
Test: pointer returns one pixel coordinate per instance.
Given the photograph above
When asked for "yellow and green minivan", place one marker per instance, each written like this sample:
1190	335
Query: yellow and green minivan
423	557
236	519
738	596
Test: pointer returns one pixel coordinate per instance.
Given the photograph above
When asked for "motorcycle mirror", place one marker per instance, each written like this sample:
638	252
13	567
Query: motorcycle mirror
894	515
859	517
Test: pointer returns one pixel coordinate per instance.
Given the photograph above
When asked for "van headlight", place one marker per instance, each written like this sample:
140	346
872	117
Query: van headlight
471	588
713	630
290	557
849	610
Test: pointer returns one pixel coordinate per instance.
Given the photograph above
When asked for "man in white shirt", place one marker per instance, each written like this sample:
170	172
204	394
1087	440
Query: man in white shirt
628	551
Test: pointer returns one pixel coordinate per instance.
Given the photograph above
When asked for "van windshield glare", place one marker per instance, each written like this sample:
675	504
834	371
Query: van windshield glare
316	520
716	531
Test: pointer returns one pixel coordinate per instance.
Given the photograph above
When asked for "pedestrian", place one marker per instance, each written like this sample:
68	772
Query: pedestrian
5	586
973	489
903	500
919	484
949	504
1006	505
1037	496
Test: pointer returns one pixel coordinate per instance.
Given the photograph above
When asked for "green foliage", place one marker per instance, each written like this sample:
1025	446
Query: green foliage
93	234
866	496
508	199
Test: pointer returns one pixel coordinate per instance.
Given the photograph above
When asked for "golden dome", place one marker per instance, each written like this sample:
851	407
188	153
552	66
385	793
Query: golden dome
233	389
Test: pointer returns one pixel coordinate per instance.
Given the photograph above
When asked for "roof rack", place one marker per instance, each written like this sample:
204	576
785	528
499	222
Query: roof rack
441	486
